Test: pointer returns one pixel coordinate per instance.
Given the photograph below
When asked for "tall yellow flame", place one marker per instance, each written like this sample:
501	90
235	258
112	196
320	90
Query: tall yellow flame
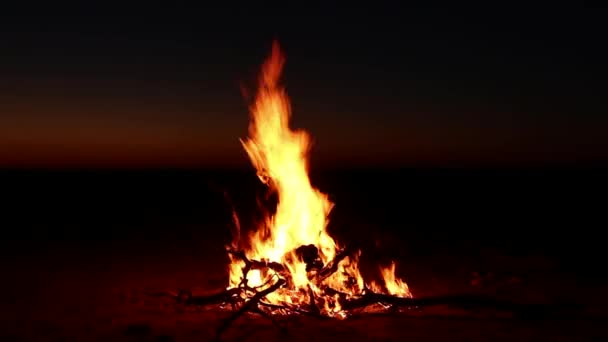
280	156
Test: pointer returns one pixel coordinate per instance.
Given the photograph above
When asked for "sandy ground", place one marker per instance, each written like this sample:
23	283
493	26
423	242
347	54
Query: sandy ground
166	230
82	295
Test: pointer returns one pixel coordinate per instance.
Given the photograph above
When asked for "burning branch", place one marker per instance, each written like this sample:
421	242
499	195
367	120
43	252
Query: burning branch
332	266
257	265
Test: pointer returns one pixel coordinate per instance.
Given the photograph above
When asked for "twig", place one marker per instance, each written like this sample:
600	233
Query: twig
186	297
275	306
249	305
292	309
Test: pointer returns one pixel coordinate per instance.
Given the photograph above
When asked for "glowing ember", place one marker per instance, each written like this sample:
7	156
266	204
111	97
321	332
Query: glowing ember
292	244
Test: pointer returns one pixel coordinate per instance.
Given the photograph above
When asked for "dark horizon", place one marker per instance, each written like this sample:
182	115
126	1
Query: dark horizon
94	86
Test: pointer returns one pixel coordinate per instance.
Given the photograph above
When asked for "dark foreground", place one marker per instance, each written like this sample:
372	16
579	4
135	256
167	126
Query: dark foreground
80	248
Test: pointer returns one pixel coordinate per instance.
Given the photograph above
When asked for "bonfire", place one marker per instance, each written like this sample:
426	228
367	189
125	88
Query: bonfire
290	255
290	265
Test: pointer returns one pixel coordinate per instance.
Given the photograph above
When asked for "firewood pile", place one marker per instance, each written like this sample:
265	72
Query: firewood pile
244	298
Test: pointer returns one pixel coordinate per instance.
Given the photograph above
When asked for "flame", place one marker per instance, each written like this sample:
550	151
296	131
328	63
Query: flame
280	156
394	285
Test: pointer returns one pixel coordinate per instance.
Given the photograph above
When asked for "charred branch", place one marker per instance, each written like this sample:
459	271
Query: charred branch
289	309
313	305
250	306
186	297
332	266
466	302
309	254
258	264
332	293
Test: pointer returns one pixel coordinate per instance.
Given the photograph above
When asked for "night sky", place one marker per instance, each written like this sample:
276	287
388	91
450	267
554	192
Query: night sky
166	86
